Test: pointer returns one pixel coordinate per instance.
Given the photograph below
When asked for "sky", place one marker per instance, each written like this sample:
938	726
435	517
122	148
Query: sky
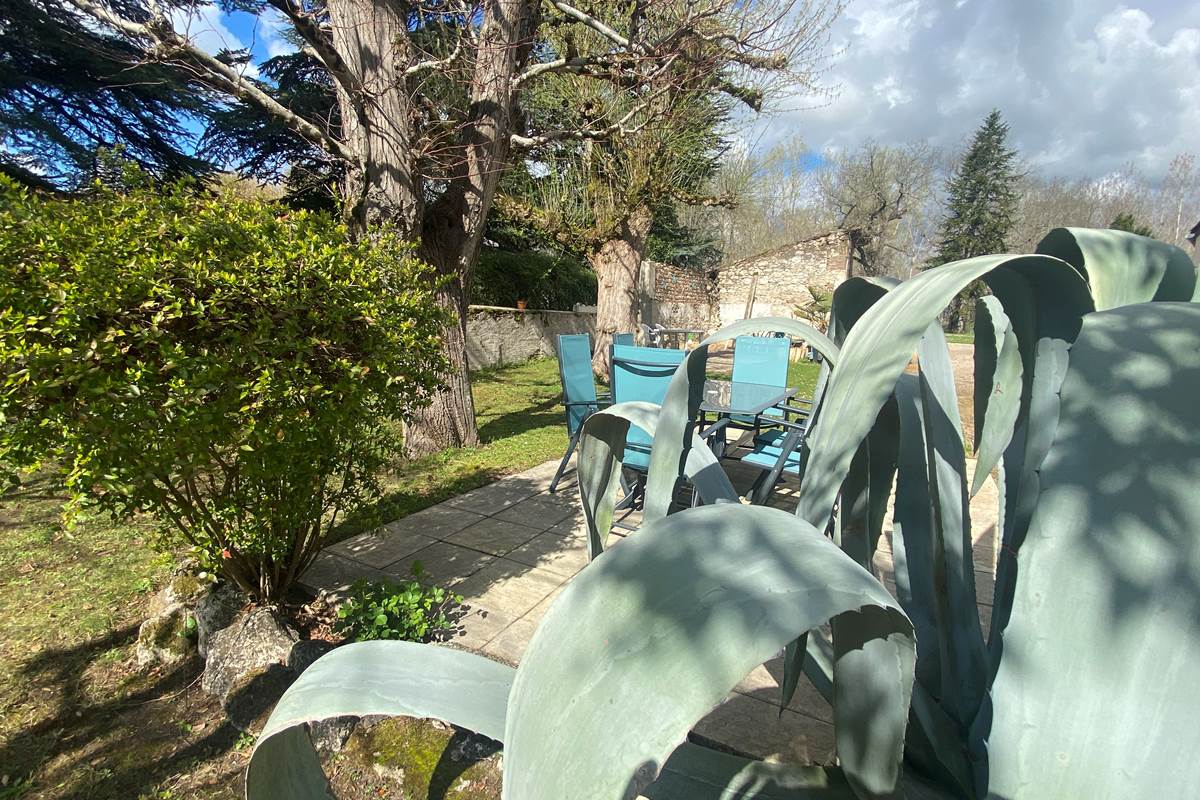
1088	87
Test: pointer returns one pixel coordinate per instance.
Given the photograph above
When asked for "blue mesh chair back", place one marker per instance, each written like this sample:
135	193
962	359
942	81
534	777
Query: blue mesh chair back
641	373
575	368
759	359
623	338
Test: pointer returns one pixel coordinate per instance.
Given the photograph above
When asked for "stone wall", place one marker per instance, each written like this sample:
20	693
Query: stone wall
784	275
676	297
497	335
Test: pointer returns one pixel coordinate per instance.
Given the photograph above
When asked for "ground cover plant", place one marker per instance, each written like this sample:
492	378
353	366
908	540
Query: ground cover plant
230	367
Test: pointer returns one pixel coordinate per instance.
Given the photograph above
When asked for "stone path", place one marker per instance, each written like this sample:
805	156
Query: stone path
508	548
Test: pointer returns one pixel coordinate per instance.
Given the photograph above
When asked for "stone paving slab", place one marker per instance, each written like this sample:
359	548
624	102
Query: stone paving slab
510	547
494	536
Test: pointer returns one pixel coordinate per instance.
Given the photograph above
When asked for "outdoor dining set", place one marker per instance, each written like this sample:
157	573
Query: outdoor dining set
751	416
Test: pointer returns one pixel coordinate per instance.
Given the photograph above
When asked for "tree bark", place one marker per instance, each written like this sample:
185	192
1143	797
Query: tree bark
380	188
453	224
618	263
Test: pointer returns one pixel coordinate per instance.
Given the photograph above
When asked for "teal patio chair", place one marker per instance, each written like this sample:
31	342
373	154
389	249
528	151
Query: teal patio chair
624	338
762	360
640	373
579	390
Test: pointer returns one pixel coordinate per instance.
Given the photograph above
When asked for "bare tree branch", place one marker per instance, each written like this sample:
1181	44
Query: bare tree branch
599	27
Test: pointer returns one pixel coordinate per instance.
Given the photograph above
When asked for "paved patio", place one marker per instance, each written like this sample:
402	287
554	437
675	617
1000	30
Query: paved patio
508	548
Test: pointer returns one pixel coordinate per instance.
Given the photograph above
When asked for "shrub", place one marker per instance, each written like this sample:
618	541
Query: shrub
406	610
223	364
547	281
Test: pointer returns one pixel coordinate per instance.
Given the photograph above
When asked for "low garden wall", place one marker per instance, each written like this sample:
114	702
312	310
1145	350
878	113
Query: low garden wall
498	335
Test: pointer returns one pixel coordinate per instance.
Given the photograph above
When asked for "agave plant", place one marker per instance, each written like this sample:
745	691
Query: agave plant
1087	369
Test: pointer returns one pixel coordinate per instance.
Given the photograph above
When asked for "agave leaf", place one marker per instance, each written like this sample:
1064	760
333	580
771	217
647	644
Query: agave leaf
913	546
998	386
964	663
1107	592
673	618
682	404
1021	484
880	345
1123	268
602	450
370	678
851	299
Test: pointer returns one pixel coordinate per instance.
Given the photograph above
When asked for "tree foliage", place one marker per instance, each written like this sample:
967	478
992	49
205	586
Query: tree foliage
227	366
981	198
69	90
870	193
1128	222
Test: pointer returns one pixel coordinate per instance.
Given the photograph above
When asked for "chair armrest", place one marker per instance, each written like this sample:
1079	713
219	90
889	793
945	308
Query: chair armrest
716	426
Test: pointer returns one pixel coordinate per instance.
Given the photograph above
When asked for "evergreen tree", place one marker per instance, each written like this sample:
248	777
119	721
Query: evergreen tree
69	91
1126	221
981	206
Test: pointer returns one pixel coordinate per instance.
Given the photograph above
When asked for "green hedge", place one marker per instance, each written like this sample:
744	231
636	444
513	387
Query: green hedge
546	281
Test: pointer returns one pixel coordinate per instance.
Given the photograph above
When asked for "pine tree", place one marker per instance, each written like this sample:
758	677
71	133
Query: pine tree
981	205
70	91
1126	221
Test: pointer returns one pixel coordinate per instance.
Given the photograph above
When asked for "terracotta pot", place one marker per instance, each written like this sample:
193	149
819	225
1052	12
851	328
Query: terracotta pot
522	304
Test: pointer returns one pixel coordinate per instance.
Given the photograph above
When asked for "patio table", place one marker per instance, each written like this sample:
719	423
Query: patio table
744	399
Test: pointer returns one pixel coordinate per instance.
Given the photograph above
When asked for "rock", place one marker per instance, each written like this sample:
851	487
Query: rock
164	638
180	590
256	640
306	651
416	758
215	610
328	736
253	694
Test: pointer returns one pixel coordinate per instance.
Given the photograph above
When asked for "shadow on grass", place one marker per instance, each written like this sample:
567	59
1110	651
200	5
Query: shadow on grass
119	747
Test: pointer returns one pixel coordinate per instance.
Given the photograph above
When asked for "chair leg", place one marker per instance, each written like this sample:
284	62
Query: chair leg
763	491
562	465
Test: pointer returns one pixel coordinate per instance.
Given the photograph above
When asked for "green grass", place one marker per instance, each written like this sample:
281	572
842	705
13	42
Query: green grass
960	338
803	375
521	424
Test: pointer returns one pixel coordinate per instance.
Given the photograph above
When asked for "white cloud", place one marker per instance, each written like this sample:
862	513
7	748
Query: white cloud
203	26
271	27
1087	86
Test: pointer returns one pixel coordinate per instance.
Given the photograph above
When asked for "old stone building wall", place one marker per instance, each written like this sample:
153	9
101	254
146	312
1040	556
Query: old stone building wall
784	277
676	297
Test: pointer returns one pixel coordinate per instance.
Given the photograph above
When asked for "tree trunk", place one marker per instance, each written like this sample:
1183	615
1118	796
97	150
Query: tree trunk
380	189
453	224
618	263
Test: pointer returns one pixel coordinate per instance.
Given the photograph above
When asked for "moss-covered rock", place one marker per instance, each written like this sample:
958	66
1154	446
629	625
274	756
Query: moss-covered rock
165	638
416	759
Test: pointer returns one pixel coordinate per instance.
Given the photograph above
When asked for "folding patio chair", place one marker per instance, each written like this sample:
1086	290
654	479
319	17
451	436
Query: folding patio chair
762	360
579	390
640	373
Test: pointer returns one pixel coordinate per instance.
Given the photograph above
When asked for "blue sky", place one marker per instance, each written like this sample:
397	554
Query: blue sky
1087	86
